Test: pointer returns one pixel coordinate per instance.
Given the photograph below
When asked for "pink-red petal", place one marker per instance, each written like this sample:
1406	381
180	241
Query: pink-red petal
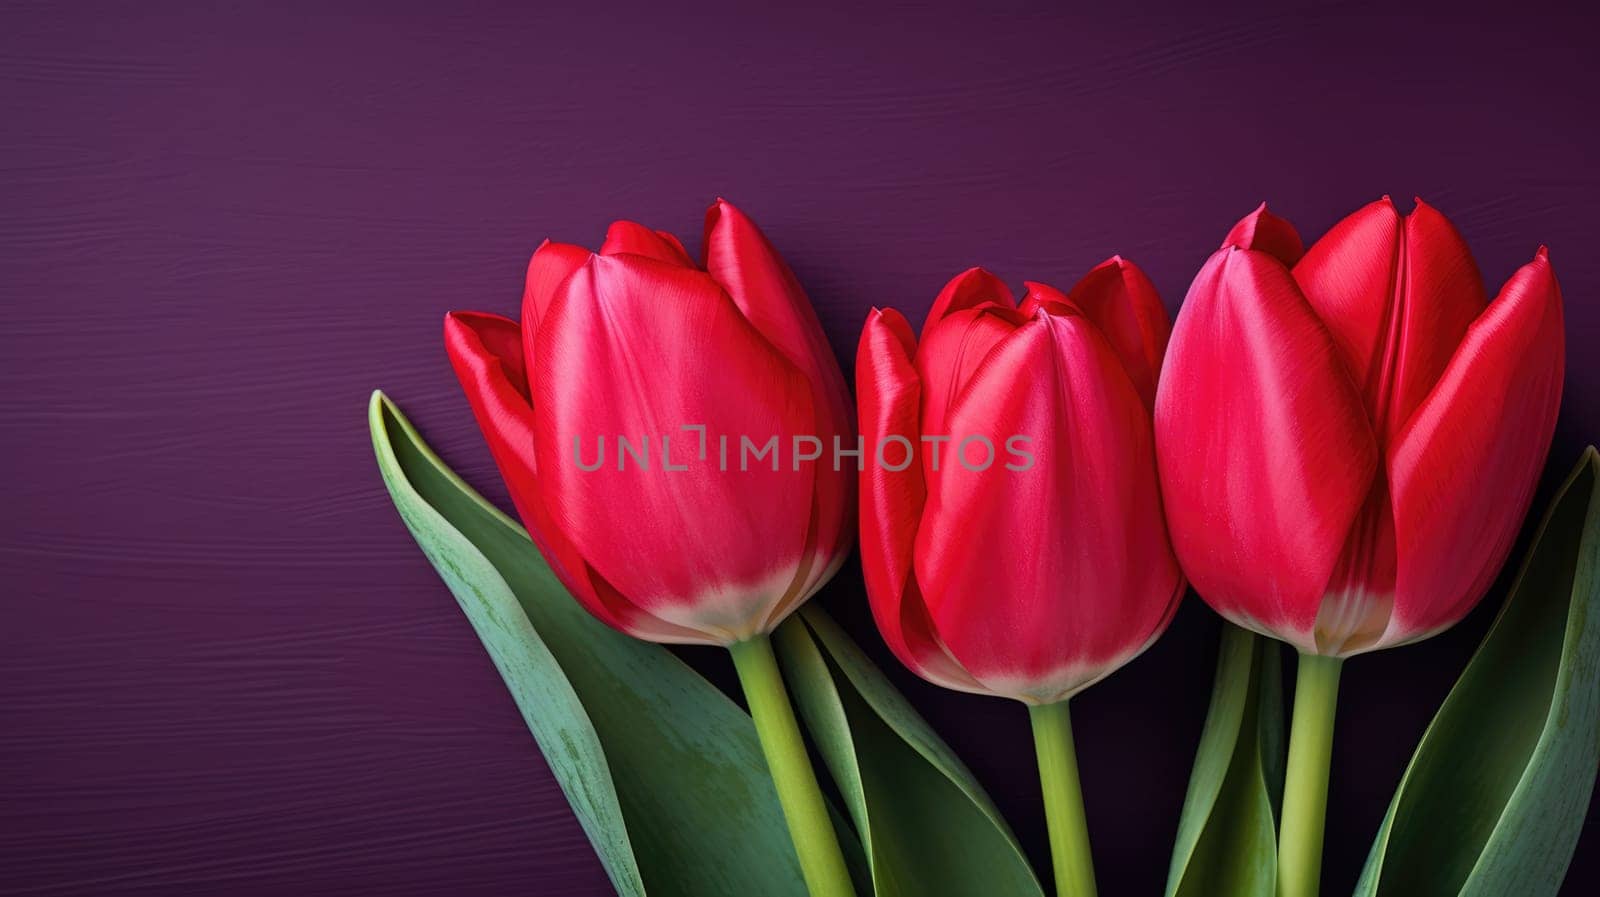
1351	279
951	352
1397	294
1443	296
1121	301
972	288
892	496
1043	575
1465	468
741	259
486	352
1263	231
1042	295
1264	449
550	266
638	349
887	392
636	239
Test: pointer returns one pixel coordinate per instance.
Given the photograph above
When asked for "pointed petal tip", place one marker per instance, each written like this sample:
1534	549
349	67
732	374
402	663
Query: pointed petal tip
1262	231
1125	264
1040	297
896	323
453	325
468	319
1539	266
625	237
971	288
714	215
976	271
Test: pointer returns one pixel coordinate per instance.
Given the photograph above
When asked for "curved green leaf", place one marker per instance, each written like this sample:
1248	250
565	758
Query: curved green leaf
1227	835
1497	791
926	824
663	770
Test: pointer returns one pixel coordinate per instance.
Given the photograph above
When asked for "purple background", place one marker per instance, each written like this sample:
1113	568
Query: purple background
223	662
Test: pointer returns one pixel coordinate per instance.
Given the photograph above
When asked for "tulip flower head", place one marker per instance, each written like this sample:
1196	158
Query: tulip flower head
1036	577
606	409
1349	437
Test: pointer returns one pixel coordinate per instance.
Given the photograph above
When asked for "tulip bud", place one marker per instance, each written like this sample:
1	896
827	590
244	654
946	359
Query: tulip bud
1348	440
623	411
1023	554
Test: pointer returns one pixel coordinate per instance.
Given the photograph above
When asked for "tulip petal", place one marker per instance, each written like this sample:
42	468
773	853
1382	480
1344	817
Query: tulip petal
551	265
1397	294
1120	300
1263	231
888	390
637	349
1350	277
1444	295
1465	467
950	353
972	288
1047	297
741	259
630	237
1265	452
486	352
1044	574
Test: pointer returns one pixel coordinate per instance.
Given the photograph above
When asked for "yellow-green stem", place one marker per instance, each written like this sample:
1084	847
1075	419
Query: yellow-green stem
1305	788
815	843
1063	800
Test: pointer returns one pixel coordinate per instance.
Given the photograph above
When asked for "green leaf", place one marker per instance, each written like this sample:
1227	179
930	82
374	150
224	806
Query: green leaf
1227	835
661	768
926	824
1497	791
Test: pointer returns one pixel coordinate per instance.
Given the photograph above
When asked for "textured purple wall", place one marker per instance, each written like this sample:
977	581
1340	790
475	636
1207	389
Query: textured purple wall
223	663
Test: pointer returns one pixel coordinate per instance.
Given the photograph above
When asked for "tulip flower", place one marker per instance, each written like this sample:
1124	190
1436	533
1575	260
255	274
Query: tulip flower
622	412
1348	440
1012	536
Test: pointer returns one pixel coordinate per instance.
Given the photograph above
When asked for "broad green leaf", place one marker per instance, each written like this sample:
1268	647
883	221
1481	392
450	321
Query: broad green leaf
662	769
1227	835
1497	791
926	824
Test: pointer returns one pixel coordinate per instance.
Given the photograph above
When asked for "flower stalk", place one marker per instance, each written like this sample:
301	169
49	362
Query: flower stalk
1305	792
815	843
1063	800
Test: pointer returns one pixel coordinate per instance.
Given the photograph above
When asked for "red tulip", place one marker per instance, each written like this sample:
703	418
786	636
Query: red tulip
1040	572
1349	440
639	343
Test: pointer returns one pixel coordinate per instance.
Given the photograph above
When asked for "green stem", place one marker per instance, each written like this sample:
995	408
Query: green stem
1305	789
1063	800
821	861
